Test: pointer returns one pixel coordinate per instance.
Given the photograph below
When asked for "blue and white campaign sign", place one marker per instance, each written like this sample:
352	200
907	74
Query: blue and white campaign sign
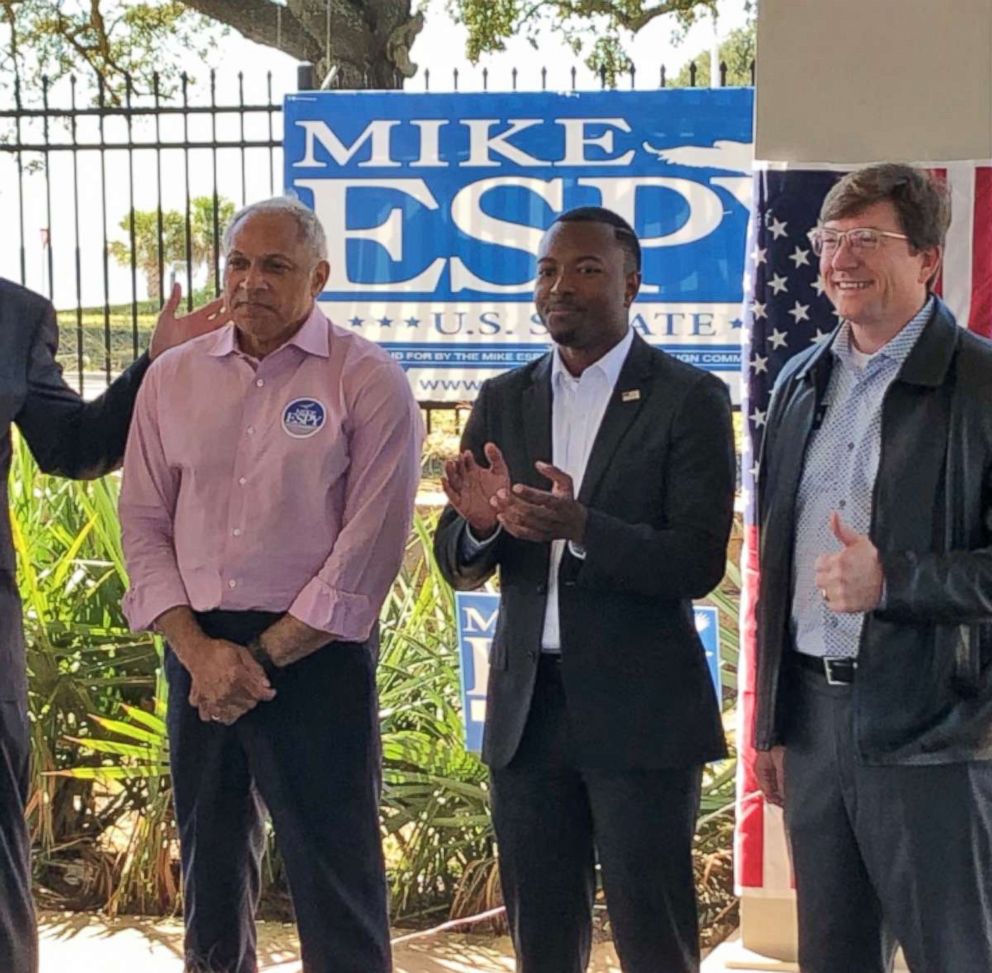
434	206
476	613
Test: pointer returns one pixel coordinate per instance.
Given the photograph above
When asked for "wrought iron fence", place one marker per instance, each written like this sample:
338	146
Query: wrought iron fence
130	191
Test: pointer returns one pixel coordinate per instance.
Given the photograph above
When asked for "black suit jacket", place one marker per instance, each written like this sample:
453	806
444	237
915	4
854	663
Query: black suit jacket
659	487
66	435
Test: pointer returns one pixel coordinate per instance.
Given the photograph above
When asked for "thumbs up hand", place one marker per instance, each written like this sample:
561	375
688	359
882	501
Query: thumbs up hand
851	579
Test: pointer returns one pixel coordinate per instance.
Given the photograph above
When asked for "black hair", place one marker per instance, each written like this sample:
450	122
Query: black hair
622	230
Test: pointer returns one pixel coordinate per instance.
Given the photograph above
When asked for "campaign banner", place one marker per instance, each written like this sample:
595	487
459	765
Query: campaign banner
435	204
476	613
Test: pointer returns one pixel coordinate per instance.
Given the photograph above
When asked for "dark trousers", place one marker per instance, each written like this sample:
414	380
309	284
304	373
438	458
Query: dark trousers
18	932
552	818
312	756
883	853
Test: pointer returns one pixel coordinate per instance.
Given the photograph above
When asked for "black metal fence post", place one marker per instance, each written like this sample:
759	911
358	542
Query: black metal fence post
82	142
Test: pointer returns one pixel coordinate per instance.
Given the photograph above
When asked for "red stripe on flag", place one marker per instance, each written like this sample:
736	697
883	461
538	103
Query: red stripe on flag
980	319
750	836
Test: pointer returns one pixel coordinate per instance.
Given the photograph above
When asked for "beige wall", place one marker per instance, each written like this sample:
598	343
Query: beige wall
852	81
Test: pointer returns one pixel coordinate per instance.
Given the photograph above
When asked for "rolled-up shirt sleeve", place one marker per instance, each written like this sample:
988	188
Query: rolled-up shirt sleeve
147	508
385	438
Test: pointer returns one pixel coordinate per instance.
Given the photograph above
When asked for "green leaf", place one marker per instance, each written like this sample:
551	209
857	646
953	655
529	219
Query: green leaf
127	730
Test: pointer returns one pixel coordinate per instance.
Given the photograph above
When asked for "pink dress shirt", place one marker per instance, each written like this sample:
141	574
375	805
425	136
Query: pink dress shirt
285	484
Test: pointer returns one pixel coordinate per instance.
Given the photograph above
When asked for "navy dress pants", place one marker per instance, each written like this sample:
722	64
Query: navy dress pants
18	933
312	757
555	817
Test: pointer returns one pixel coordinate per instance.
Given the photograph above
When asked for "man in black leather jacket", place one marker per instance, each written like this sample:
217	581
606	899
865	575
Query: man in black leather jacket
873	718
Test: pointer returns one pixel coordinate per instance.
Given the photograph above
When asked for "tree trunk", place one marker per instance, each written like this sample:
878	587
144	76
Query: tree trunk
367	41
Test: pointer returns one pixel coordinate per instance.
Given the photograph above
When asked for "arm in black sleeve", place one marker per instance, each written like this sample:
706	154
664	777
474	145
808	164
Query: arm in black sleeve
462	574
67	435
948	587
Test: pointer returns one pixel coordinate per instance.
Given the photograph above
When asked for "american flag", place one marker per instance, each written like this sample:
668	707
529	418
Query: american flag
785	311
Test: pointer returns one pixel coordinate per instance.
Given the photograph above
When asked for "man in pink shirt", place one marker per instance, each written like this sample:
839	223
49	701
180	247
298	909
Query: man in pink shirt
268	487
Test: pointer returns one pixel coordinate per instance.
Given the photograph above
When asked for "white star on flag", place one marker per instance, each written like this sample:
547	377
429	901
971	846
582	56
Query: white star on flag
759	364
799	312
758	417
778	228
778	283
759	310
817	285
759	255
820	336
800	257
778	339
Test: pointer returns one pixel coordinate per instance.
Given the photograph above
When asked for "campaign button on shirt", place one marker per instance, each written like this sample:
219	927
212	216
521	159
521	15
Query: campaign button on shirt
303	418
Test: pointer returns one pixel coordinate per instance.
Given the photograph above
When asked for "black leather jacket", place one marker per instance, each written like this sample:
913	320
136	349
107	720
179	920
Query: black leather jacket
923	693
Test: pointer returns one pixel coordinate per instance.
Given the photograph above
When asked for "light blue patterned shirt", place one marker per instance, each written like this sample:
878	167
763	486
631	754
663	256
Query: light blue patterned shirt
839	474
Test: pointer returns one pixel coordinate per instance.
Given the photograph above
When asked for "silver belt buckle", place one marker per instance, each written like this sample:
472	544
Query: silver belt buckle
828	670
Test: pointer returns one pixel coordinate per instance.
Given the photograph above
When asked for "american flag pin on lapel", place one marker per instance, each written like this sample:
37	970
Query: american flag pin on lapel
631	395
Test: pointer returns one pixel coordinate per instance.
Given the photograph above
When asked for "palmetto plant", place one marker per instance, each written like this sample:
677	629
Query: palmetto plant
435	803
100	804
82	660
101	809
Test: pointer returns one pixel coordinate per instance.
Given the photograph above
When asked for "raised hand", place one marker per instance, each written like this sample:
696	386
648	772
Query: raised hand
470	487
171	330
543	515
850	580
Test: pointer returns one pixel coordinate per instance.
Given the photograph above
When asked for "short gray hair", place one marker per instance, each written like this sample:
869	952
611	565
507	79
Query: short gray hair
311	232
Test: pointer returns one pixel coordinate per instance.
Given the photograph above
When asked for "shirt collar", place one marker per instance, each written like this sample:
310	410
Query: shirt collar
898	347
608	366
313	338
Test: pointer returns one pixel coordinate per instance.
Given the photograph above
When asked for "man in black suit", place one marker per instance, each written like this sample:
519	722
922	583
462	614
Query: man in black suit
601	712
72	438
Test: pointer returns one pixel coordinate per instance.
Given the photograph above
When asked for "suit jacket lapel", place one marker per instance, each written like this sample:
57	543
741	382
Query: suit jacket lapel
631	392
536	404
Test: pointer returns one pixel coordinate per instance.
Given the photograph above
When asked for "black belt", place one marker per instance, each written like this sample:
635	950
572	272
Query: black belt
837	672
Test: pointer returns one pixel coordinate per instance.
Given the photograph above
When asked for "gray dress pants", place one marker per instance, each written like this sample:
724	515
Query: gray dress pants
883	854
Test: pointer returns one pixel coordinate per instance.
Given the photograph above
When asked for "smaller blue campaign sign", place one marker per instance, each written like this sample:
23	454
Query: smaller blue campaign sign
708	630
476	613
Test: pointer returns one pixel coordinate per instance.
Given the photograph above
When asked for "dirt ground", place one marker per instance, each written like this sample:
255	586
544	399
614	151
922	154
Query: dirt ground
86	943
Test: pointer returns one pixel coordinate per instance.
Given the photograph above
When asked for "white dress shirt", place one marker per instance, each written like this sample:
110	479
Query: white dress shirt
577	409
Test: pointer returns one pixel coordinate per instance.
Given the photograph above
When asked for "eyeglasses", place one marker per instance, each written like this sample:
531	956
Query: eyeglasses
861	239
